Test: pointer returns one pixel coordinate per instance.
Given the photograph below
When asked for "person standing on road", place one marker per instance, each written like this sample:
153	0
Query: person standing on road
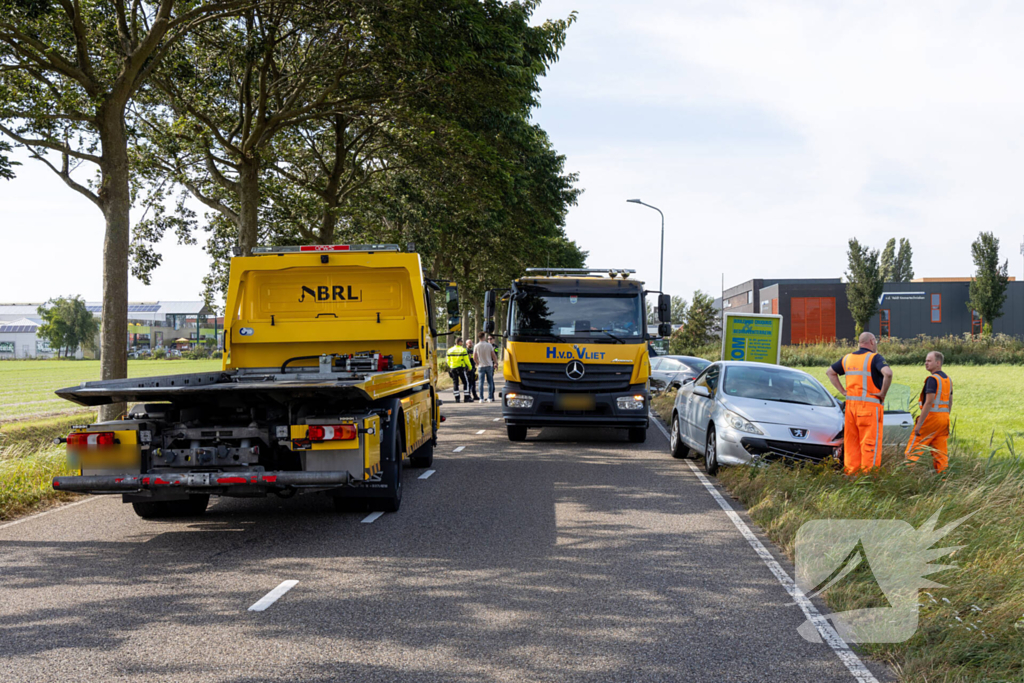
458	364
486	359
867	382
931	431
471	371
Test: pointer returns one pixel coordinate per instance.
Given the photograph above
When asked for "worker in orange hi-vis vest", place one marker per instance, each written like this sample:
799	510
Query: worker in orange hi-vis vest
931	431
867	382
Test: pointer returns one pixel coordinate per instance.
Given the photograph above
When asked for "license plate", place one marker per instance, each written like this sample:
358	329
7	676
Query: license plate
574	402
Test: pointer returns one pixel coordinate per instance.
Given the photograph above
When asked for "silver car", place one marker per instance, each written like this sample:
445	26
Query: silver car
735	413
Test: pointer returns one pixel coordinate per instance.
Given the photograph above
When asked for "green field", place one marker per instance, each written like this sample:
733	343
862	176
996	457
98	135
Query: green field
987	400
26	387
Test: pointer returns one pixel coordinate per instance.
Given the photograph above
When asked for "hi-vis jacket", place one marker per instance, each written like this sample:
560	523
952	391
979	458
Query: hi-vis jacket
458	357
860	385
943	392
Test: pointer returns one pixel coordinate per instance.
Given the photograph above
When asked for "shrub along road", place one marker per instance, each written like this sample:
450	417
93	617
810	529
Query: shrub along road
581	558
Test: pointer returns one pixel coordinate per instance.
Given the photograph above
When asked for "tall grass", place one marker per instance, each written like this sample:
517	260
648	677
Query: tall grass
25	476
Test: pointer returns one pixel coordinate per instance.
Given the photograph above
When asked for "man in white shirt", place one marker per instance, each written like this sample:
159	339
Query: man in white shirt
486	359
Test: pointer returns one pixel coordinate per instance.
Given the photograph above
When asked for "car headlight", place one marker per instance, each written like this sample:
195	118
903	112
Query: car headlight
518	400
630	402
741	425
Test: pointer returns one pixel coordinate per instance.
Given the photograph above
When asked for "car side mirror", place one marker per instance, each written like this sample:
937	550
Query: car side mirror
701	390
688	380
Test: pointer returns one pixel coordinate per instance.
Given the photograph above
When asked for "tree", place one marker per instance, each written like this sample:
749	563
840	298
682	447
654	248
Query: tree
701	326
888	262
904	271
6	170
988	286
864	284
69	73
67	324
679	308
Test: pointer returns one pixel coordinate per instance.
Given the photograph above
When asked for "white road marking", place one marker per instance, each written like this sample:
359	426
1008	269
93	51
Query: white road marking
273	596
426	475
497	419
372	517
48	512
829	634
481	432
459	449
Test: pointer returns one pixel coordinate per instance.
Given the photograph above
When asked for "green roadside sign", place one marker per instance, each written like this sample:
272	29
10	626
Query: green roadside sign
755	337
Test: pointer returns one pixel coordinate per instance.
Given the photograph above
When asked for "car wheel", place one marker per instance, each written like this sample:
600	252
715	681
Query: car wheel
679	449
711	453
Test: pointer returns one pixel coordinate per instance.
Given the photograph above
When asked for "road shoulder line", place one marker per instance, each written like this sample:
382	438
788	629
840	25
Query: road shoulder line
829	635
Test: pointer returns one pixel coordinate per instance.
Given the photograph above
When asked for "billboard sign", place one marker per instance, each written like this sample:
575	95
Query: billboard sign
6	347
755	337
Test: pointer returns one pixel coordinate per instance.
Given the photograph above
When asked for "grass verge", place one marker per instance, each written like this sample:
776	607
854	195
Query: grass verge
970	630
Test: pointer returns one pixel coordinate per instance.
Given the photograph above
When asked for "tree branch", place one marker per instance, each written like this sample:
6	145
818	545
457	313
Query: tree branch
46	144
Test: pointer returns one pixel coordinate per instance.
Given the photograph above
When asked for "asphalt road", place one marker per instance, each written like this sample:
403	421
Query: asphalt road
574	556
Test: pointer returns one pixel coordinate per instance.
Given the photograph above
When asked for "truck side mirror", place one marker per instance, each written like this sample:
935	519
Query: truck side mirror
490	303
489	327
664	310
451	303
665	330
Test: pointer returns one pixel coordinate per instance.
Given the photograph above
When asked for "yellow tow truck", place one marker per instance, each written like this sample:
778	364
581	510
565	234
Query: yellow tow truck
329	383
576	350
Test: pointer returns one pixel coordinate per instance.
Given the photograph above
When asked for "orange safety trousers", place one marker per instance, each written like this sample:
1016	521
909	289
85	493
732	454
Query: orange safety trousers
933	441
862	436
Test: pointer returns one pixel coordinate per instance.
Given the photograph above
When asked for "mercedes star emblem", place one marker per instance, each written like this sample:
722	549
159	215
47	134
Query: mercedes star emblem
575	370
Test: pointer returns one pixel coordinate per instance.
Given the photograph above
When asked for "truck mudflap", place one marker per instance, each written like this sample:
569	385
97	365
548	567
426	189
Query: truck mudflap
114	483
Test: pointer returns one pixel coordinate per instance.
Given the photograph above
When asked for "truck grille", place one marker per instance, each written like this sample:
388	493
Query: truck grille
552	377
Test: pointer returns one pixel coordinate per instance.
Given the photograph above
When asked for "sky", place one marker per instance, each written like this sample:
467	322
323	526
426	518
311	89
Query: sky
769	132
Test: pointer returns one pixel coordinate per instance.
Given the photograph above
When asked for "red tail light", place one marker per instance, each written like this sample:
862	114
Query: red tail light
90	440
331	432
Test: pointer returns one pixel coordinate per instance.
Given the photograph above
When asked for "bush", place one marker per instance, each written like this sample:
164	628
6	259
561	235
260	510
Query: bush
159	354
217	354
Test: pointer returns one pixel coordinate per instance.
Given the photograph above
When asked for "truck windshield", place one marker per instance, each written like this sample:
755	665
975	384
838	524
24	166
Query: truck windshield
540	313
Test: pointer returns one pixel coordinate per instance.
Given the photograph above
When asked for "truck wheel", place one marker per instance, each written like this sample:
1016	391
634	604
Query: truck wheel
637	434
193	507
423	456
391	461
516	433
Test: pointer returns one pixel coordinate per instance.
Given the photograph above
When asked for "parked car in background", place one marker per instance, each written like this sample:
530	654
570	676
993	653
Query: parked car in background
738	413
669	372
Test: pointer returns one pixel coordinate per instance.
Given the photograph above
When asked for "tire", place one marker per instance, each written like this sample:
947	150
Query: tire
711	453
516	432
423	456
637	434
678	447
162	509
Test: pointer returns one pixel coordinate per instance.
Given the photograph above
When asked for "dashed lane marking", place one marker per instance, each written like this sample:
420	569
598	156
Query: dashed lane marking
426	475
497	419
481	432
273	596
829	634
50	512
372	517
459	449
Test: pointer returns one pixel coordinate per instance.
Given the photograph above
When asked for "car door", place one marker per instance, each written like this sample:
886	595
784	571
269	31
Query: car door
700	412
669	370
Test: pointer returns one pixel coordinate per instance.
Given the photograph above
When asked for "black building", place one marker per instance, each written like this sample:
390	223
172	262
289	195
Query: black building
817	310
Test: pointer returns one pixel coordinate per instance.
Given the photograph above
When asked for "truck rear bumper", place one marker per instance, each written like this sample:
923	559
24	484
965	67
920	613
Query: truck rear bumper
204	481
604	413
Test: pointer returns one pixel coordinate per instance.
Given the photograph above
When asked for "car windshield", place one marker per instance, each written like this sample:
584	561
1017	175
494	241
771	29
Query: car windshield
540	313
697	364
772	383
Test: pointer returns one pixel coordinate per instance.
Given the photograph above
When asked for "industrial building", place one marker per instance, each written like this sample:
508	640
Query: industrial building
151	325
817	309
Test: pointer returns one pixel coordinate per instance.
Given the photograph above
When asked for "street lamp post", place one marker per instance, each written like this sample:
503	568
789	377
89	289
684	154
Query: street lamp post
661	269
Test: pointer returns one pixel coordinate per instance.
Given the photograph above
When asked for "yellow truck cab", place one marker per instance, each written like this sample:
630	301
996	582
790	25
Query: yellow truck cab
576	351
328	384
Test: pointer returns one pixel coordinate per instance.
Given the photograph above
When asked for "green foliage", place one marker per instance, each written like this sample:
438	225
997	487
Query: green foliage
988	286
864	284
67	324
6	165
159	354
904	267
887	263
701	326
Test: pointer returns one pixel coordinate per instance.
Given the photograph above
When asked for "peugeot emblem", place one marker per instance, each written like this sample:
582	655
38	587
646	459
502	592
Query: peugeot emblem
575	370
798	433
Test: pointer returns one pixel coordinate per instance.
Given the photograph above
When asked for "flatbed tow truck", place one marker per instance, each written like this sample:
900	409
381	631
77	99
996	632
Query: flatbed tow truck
328	384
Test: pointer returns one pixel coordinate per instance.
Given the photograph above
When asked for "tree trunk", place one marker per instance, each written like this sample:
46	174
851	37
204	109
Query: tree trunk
248	203
115	199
